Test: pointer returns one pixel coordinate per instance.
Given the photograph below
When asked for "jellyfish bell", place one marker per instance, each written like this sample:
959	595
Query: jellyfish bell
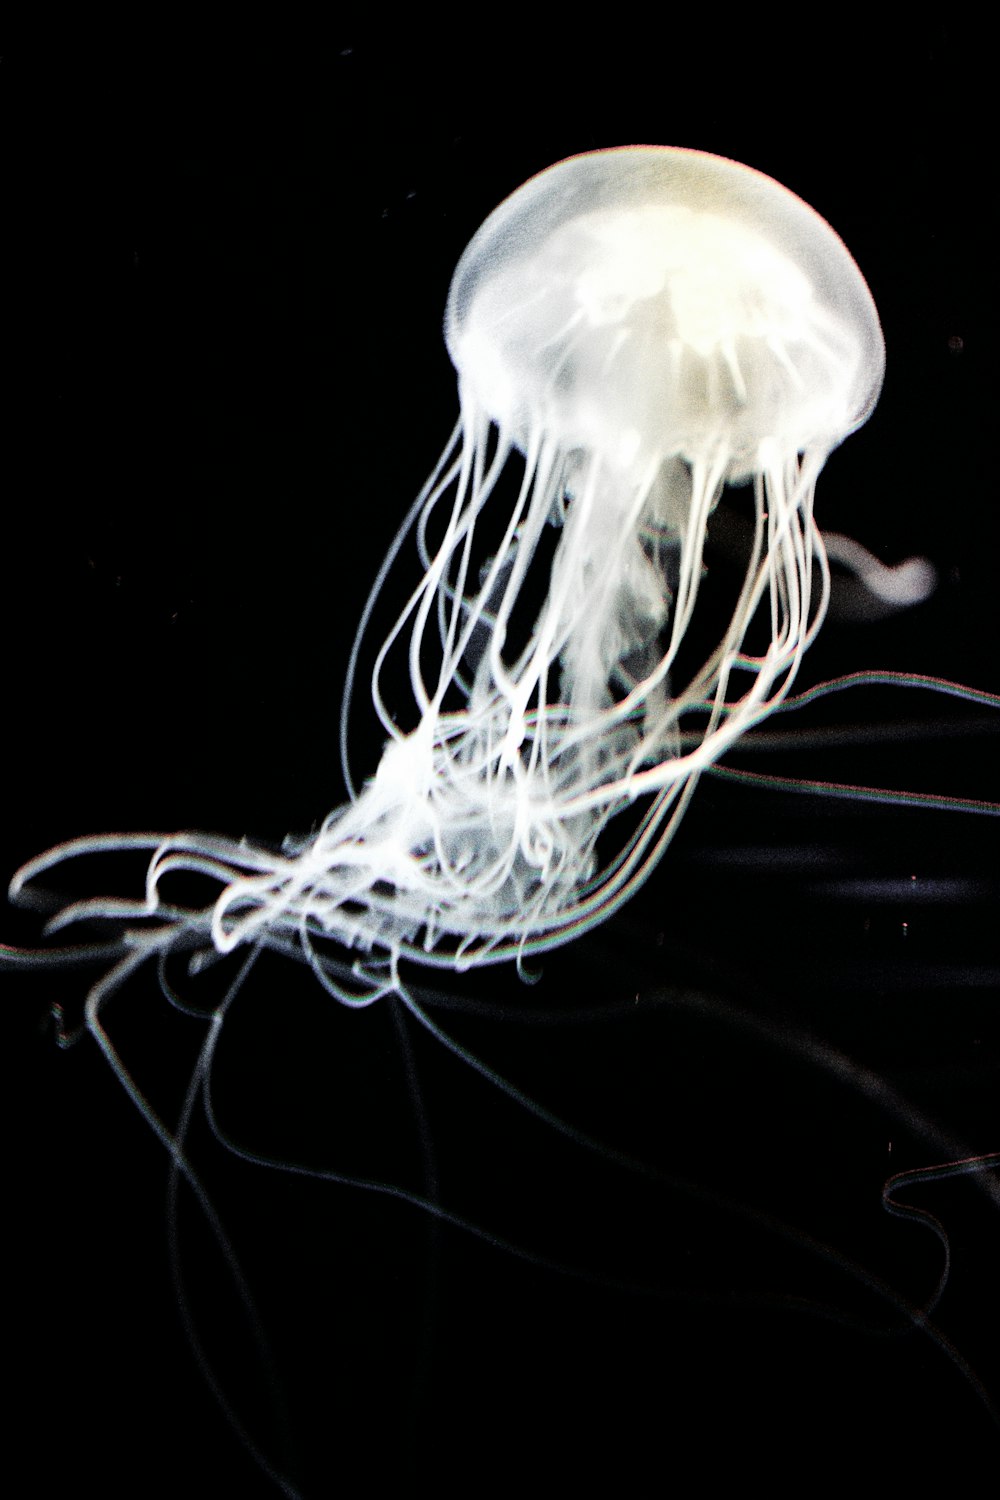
647	303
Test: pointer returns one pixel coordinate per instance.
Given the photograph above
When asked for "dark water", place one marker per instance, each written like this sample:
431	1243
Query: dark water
801	1003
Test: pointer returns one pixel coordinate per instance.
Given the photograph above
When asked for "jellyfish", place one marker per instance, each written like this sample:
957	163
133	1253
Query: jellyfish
635	331
638	334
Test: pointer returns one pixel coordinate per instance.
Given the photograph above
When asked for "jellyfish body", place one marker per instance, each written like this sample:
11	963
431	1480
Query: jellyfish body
633	331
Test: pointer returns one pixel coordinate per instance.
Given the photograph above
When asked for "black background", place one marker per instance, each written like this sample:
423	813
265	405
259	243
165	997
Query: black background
226	270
